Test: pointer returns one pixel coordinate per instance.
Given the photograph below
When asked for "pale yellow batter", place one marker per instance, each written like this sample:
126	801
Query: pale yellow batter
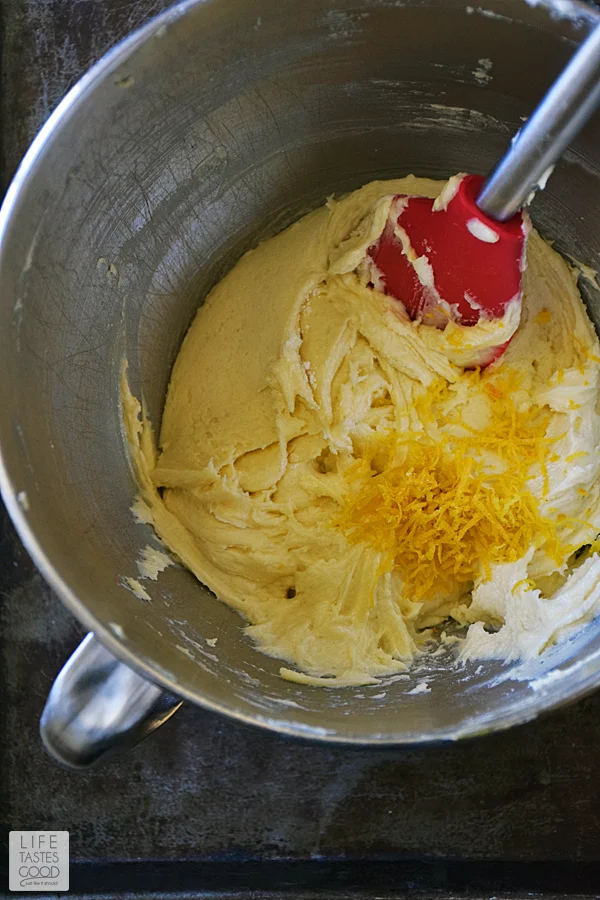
298	382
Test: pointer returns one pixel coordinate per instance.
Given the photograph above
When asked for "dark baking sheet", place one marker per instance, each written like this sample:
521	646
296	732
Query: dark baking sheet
206	806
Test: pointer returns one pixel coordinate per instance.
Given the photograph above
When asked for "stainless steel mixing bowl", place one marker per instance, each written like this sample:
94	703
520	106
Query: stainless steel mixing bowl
215	126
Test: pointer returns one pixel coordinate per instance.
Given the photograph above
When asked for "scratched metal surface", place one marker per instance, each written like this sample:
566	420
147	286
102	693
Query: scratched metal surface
203	791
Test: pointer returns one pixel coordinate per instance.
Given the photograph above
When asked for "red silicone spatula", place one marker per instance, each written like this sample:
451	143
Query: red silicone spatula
461	257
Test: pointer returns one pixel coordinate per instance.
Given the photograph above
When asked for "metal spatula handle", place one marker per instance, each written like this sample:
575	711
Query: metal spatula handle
538	145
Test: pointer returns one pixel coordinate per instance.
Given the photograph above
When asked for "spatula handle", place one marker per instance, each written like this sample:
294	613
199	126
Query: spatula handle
541	141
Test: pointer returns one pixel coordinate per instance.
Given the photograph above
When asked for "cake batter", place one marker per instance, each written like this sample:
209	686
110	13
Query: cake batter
339	475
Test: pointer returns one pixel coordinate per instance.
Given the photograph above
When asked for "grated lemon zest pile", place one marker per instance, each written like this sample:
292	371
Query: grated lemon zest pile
437	510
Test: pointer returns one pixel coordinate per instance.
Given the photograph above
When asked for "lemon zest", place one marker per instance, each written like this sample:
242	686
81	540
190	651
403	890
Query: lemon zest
436	509
573	456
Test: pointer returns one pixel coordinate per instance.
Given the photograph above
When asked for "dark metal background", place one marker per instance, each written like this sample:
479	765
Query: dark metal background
244	811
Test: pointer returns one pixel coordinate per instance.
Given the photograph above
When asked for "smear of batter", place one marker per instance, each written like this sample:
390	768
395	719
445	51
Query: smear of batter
331	469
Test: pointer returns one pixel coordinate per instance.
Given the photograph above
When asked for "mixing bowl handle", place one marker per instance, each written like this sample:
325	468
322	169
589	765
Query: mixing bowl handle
98	705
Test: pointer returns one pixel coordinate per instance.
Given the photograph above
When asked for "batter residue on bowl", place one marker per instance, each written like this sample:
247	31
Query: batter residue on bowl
337	474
